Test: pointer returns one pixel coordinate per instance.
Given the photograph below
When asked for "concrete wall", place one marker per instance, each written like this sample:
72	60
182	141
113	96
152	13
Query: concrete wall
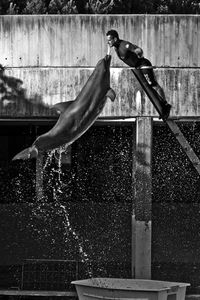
54	55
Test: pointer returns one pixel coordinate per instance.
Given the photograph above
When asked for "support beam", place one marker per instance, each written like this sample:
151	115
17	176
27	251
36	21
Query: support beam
184	143
141	217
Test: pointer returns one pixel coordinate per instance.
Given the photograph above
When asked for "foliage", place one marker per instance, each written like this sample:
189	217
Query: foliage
99	7
35	7
178	6
62	7
4	7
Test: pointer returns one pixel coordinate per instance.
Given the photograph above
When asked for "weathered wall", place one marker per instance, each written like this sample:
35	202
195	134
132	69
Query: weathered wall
54	55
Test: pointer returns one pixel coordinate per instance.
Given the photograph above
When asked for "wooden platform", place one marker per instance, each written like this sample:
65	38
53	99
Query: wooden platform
13	292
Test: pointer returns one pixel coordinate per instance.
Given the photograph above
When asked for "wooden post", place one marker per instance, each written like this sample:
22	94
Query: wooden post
141	217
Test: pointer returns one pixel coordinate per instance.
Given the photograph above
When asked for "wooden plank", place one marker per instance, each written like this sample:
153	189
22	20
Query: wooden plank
13	292
141	218
184	143
44	87
71	40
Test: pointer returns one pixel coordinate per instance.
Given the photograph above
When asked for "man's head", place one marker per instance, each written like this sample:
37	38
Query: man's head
112	37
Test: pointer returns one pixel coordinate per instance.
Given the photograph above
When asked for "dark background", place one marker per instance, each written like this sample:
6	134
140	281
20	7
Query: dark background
85	212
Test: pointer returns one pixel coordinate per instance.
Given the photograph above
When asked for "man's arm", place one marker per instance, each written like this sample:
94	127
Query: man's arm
135	49
109	50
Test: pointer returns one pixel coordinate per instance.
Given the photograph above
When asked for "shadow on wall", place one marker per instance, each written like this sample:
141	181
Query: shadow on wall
14	102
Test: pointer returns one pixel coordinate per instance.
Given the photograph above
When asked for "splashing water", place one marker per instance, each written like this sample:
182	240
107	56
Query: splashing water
57	190
79	204
68	229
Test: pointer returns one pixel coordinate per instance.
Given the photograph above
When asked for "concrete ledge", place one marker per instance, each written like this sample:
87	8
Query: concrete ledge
192	297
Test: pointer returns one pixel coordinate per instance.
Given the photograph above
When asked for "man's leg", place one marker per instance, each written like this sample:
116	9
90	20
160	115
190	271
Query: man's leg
160	92
151	79
167	106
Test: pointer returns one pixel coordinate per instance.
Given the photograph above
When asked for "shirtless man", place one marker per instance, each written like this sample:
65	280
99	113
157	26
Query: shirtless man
132	55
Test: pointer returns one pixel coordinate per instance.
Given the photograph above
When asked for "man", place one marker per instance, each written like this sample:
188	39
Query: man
132	55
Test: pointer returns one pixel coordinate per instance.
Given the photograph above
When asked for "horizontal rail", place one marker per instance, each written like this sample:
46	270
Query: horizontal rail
107	298
15	292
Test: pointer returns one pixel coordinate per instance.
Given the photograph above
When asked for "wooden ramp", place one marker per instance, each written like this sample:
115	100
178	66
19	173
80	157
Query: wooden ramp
160	107
184	143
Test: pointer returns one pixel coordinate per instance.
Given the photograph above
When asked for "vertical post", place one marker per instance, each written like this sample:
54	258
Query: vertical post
141	217
39	176
22	277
